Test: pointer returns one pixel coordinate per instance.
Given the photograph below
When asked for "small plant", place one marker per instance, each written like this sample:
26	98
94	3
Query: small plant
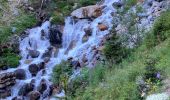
60	71
114	50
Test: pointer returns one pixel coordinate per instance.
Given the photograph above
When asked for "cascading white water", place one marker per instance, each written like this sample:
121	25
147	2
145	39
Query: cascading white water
73	31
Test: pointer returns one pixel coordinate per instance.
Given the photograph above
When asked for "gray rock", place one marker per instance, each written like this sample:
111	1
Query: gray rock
34	53
34	95
25	89
43	86
33	68
20	74
55	36
118	4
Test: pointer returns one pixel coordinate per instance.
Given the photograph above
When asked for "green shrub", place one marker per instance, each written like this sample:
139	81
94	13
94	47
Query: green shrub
62	69
114	49
161	30
57	19
88	77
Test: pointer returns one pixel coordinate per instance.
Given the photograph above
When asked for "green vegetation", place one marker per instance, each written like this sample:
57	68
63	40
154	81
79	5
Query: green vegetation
9	59
161	30
11	24
127	79
114	50
64	69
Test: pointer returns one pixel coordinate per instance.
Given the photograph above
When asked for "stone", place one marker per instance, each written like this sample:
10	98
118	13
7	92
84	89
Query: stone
88	31
75	64
43	86
25	89
34	95
20	74
118	4
102	27
92	11
5	93
55	36
33	68
41	65
7	80
48	52
34	53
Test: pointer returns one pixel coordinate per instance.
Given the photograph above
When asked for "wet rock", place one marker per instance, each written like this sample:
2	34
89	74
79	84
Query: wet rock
25	89
159	0
75	64
20	74
55	36
102	27
18	98
46	59
54	89
5	93
41	65
92	11
33	68
28	61
34	53
48	52
118	4
88	31
7	80
34	95
43	86
71	46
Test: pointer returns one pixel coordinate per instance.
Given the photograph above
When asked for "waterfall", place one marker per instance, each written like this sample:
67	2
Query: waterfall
72	35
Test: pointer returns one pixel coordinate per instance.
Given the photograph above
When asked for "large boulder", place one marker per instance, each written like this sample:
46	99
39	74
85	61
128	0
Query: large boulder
20	74
92	11
33	68
55	36
25	89
7	80
34	95
5	93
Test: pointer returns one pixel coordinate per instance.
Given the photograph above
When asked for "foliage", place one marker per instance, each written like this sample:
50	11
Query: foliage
60	71
161	30
10	59
114	49
88	77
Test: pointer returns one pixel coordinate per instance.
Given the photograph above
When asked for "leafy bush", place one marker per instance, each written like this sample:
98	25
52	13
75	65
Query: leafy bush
88	77
161	30
61	70
114	49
